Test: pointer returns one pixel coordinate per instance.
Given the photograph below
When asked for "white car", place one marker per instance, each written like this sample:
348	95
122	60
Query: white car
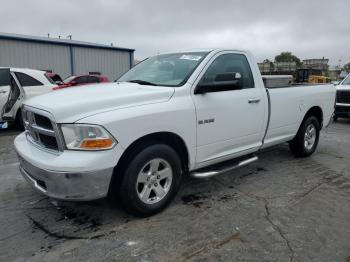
198	113
342	108
18	84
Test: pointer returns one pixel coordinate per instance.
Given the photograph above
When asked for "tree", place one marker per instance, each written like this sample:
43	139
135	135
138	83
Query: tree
287	57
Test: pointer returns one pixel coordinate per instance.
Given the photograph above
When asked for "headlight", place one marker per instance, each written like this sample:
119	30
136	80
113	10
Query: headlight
87	137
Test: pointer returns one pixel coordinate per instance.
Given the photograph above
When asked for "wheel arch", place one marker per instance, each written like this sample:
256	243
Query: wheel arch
315	111
168	138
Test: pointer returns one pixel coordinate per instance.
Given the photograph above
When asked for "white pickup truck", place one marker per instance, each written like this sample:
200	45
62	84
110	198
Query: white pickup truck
196	113
342	108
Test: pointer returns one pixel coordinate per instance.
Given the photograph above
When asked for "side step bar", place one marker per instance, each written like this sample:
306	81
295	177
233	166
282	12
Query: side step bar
216	170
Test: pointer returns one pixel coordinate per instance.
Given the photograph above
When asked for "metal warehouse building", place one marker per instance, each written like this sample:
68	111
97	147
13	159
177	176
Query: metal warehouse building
65	57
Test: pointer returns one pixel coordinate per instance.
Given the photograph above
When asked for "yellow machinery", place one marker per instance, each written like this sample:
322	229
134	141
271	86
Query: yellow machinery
311	76
315	79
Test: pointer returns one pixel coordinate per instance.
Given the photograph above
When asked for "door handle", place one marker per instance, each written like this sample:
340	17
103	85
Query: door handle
253	100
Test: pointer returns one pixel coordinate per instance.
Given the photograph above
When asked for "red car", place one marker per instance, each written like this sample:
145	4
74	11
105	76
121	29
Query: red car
82	80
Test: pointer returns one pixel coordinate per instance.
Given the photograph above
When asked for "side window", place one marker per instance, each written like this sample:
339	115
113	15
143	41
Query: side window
230	63
81	80
5	77
93	79
26	80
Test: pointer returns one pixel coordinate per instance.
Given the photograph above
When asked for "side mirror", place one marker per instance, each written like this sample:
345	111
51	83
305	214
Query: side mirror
231	76
222	82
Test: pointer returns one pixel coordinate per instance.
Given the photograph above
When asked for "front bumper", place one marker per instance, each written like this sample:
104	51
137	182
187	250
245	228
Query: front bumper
70	175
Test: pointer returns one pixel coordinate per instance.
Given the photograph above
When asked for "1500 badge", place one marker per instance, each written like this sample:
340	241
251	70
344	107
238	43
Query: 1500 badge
206	121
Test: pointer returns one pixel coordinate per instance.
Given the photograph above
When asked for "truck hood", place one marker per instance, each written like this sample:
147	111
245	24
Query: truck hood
74	103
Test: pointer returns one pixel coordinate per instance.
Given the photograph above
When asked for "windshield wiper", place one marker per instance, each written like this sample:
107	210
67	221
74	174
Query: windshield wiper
142	82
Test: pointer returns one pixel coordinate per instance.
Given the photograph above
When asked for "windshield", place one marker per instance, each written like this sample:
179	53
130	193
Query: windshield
346	81
68	79
49	78
164	70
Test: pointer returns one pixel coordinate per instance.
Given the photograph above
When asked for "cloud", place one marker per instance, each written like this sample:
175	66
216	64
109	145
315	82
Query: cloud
307	28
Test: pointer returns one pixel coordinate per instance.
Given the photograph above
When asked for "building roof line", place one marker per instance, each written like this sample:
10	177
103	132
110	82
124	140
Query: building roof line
57	41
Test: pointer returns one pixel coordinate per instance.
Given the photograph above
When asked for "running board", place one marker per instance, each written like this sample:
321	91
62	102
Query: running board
217	170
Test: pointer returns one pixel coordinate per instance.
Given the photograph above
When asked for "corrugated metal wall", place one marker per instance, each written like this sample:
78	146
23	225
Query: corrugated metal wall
56	57
35	55
110	63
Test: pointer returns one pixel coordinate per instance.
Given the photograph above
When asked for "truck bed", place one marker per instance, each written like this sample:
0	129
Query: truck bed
289	104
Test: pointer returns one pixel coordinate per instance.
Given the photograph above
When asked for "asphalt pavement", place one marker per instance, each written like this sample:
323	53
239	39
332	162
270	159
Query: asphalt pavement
280	208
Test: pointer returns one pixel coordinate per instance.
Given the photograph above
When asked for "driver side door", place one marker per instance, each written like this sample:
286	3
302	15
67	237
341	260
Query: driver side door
230	121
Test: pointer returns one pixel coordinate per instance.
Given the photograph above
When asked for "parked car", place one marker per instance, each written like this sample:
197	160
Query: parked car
18	84
82	80
342	107
200	113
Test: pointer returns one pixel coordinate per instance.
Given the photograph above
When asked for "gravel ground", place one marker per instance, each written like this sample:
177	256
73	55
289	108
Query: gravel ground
278	209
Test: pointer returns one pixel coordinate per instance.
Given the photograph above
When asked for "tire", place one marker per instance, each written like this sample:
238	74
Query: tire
305	142
335	118
153	171
19	120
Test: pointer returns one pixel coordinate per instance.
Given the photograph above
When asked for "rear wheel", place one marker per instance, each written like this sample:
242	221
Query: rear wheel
306	140
151	180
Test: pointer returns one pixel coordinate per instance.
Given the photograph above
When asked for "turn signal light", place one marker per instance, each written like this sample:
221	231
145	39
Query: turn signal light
102	143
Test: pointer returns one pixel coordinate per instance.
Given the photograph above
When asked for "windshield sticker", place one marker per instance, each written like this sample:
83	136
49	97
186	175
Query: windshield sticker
191	57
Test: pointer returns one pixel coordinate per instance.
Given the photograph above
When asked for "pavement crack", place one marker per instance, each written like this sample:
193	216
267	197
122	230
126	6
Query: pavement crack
13	235
312	189
235	236
215	244
56	235
278	229
270	221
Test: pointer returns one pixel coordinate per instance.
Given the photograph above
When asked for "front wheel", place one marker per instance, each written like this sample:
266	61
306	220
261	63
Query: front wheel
151	180
306	140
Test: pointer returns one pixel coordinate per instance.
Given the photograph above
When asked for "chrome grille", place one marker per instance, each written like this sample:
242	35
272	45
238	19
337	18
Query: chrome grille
41	129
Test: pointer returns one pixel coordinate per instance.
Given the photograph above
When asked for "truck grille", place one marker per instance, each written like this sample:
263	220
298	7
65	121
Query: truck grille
343	96
41	129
